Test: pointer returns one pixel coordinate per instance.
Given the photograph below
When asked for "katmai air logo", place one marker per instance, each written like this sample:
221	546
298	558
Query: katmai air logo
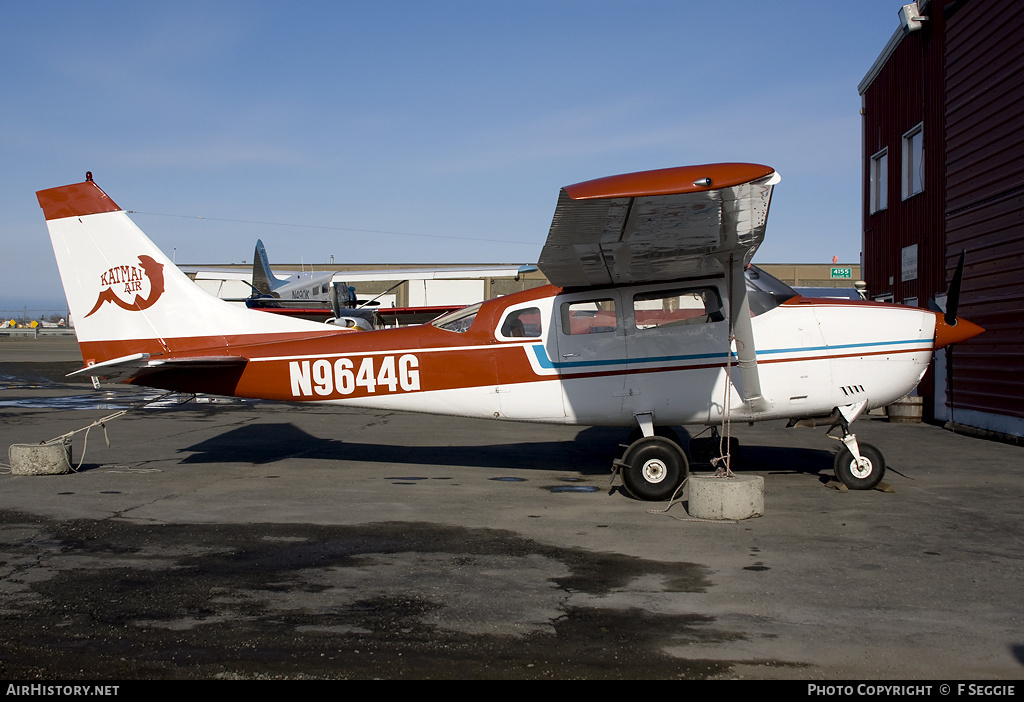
130	279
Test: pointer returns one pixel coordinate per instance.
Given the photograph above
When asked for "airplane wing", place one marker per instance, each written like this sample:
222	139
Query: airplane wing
356	275
657	225
431	273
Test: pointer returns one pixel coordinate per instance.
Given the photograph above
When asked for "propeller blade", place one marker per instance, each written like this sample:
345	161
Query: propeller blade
335	302
949	384
953	296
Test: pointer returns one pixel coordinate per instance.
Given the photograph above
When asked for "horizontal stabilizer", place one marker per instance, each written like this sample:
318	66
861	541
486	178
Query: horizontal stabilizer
115	368
143	364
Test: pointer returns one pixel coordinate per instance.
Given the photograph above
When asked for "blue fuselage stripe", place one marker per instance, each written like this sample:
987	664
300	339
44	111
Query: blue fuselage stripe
547	363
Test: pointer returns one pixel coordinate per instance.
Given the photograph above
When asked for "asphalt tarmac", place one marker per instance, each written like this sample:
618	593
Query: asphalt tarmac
252	540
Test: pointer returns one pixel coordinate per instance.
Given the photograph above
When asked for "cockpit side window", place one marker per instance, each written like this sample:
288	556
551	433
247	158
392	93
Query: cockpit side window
678	307
589	317
524	323
458	321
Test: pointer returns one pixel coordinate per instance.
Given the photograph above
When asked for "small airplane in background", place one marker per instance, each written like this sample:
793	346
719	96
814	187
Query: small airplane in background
654	318
300	287
307	295
328	297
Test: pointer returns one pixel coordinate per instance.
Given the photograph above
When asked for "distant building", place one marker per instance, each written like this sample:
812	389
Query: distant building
943	155
814	275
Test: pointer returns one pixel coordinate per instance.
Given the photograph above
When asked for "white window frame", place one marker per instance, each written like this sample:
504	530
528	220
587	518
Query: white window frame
878	177
912	176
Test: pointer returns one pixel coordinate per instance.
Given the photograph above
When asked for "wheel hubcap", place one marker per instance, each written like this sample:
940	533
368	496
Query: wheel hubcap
861	469
654	471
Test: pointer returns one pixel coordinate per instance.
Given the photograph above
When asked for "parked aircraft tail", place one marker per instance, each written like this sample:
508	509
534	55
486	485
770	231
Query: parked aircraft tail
263	279
128	300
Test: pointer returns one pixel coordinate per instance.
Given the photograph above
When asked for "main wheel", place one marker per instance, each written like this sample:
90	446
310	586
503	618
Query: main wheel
865	475
655	467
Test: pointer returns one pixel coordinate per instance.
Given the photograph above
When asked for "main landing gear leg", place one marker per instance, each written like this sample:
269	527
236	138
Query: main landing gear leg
653	466
859	466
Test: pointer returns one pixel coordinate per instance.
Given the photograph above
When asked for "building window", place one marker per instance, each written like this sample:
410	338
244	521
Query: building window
908	263
913	161
879	176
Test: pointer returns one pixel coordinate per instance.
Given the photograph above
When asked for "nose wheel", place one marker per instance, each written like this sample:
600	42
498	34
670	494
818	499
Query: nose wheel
859	466
863	473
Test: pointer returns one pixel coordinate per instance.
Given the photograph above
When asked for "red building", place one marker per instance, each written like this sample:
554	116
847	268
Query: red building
943	149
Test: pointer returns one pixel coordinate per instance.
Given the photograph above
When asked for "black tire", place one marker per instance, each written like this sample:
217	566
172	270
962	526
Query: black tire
655	468
865	478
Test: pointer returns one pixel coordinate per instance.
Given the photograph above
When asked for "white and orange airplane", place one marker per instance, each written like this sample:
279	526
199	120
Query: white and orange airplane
654	318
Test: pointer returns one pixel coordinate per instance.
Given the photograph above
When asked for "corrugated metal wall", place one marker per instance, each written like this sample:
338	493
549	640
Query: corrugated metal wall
984	113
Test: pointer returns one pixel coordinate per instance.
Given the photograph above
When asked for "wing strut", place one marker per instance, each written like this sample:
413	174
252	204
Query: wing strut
743	332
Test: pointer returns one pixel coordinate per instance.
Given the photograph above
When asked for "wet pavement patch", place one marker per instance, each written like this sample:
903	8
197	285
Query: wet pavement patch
119	599
73	402
573	488
37	373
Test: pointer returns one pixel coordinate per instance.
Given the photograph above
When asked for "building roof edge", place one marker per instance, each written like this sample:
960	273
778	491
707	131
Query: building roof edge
876	67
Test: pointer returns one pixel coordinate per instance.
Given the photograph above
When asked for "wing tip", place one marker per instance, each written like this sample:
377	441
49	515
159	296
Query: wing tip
669	181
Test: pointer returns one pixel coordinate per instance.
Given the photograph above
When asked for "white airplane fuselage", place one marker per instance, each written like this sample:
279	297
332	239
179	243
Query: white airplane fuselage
813	355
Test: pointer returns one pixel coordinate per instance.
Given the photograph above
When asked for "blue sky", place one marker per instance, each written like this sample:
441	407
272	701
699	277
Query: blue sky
440	131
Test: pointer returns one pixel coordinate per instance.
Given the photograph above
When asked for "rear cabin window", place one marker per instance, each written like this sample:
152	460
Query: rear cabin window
523	323
674	308
589	317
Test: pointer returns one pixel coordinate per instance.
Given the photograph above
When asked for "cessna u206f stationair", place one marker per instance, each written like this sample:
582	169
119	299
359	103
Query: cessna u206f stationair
654	318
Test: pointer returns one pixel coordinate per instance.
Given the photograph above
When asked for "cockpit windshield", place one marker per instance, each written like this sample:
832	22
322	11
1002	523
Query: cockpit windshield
458	321
765	291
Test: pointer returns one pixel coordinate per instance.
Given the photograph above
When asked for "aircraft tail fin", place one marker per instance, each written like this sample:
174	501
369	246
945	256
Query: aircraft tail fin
126	297
263	279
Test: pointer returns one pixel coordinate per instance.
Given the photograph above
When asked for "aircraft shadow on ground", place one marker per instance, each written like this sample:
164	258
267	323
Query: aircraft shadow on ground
782	460
590	452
